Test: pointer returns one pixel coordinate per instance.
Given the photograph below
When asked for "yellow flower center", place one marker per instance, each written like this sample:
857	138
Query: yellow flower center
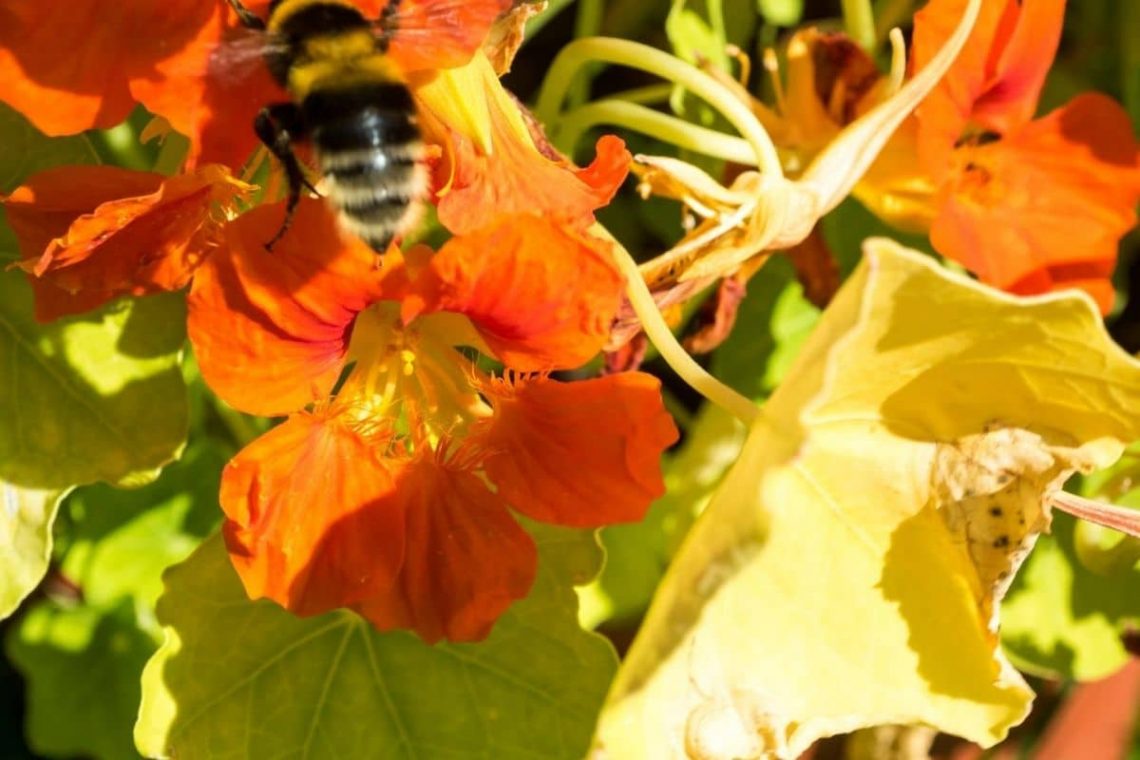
412	378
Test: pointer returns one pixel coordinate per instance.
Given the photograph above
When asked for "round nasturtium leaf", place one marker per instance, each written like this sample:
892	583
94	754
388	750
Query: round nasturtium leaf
248	679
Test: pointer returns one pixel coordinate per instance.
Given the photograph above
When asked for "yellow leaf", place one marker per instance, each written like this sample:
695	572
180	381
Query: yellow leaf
847	571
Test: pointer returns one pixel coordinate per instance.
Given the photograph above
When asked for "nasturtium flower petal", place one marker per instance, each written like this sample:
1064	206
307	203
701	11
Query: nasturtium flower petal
1044	208
995	81
87	67
81	252
440	34
580	454
466	559
541	295
271	329
212	87
48	202
499	167
69	71
313	519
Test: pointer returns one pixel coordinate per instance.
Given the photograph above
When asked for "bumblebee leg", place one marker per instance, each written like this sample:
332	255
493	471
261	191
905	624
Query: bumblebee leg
384	24
248	18
277	126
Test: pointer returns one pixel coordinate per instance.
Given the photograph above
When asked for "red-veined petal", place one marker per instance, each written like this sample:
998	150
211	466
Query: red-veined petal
494	165
997	78
543	296
69	68
466	559
440	34
581	454
207	92
313	517
270	329
148	242
1045	207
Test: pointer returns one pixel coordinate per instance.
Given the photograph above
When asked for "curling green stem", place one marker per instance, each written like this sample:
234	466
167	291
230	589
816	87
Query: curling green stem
652	93
638	56
670	349
535	24
588	23
662	126
859	20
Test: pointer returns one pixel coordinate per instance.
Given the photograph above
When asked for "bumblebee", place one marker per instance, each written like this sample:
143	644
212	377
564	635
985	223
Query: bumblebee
352	104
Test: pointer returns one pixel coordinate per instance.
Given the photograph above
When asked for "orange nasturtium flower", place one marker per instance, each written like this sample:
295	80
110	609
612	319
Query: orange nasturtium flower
389	487
1027	205
392	493
89	234
488	160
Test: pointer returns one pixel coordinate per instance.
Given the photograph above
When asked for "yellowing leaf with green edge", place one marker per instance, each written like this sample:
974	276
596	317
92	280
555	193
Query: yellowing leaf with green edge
26	517
247	679
93	397
846	572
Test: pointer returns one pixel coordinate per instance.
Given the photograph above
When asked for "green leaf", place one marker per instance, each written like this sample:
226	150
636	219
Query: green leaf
82	666
93	397
773	322
781	12
693	38
27	151
1061	619
247	679
120	542
26	517
1069	607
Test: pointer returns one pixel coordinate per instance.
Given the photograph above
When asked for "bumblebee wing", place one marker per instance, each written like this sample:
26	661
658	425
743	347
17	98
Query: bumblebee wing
438	34
240	52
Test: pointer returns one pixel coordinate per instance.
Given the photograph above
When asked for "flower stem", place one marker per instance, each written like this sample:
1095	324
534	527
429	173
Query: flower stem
537	22
859	19
891	13
670	349
662	126
588	23
668	67
1109	515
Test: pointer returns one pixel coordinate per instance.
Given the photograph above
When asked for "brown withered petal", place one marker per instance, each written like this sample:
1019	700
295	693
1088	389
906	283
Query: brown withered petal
816	268
717	316
508	33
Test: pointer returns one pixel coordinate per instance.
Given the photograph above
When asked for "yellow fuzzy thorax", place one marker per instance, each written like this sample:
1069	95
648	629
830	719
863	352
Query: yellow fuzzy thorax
340	72
289	8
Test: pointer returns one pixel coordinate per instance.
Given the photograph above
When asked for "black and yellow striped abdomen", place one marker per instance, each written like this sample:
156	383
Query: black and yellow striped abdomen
369	151
351	103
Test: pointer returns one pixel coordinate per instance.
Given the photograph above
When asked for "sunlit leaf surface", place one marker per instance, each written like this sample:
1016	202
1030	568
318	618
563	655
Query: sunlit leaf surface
247	679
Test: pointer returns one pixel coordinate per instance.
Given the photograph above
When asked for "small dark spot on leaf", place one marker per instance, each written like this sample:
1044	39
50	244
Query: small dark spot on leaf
995	510
1001	542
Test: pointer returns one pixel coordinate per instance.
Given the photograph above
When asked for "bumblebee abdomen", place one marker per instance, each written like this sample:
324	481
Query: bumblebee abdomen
369	148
